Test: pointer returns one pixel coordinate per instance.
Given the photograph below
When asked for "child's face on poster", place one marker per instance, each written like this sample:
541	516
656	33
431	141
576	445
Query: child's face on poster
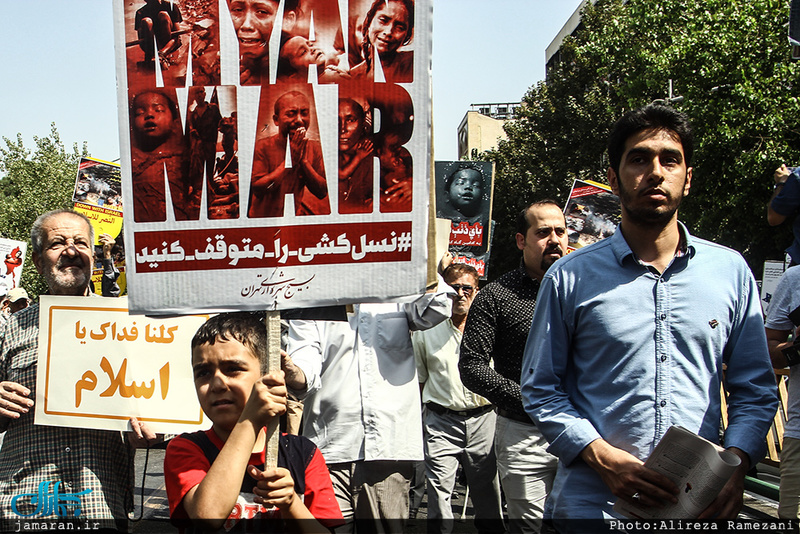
253	21
466	191
152	117
351	126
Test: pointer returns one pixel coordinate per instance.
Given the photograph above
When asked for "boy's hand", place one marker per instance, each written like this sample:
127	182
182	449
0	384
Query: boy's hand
274	487
267	399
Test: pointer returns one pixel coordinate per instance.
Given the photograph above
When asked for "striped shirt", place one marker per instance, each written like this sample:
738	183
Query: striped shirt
80	459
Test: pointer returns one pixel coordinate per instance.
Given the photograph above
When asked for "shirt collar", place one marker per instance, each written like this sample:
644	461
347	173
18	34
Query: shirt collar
524	273
622	250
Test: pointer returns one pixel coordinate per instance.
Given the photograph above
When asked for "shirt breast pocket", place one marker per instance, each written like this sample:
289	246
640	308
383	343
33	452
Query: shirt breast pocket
22	371
392	330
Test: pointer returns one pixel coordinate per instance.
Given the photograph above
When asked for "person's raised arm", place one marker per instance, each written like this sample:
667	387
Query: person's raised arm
109	285
781	177
364	148
314	177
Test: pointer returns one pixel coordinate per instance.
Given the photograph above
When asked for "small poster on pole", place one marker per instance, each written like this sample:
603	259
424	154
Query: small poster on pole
592	213
464	196
98	195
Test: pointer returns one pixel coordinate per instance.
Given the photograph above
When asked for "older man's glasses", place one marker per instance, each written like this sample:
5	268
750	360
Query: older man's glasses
467	289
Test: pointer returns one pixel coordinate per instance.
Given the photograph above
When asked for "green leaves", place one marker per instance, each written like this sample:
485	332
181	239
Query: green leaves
32	183
728	59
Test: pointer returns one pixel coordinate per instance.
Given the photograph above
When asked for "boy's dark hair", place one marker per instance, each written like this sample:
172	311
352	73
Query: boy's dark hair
522	217
244	327
650	117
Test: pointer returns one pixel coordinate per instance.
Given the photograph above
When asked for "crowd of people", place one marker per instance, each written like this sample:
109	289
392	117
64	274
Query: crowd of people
549	386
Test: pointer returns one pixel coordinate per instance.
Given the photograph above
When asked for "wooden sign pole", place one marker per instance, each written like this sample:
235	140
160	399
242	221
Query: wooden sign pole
273	324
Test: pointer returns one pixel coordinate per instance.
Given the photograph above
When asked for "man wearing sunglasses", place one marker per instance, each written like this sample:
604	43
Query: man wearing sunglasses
458	425
491	362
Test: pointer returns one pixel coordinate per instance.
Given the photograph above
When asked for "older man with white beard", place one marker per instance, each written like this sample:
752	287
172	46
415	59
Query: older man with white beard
93	467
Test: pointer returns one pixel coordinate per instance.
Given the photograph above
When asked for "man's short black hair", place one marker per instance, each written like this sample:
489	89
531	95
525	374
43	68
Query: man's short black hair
245	327
523	223
650	117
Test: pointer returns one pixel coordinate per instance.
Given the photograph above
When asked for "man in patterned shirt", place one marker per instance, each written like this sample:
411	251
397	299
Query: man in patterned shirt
497	328
96	464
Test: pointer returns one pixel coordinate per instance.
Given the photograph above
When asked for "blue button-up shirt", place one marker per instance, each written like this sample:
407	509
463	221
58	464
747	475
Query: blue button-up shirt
617	350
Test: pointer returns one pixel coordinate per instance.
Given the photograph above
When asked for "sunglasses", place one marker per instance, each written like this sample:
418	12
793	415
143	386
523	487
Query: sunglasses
467	289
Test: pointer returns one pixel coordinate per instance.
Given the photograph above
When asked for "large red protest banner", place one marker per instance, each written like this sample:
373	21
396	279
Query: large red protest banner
304	126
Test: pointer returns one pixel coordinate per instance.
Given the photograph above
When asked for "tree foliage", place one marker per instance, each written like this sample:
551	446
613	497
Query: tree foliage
730	62
32	183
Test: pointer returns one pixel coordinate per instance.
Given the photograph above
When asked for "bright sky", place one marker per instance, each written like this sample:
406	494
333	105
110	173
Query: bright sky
57	65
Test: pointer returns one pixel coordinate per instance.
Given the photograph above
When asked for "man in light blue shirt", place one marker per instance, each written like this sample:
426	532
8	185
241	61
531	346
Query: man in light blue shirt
630	335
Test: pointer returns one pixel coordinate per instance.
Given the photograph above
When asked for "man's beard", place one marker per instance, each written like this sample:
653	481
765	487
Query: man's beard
547	261
646	215
65	282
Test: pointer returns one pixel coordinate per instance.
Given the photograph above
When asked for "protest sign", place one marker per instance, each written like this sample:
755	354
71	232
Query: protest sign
13	254
98	195
592	213
98	366
464	196
258	178
773	270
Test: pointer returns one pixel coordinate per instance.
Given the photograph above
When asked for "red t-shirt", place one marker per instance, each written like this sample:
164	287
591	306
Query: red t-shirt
186	464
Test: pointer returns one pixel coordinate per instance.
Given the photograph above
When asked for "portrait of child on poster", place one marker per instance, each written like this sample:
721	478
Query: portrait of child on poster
464	196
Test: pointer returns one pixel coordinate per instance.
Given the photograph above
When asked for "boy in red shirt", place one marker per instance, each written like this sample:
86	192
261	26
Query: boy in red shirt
212	478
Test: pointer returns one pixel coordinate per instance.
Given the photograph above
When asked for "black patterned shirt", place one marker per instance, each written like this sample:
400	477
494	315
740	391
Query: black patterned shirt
497	330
